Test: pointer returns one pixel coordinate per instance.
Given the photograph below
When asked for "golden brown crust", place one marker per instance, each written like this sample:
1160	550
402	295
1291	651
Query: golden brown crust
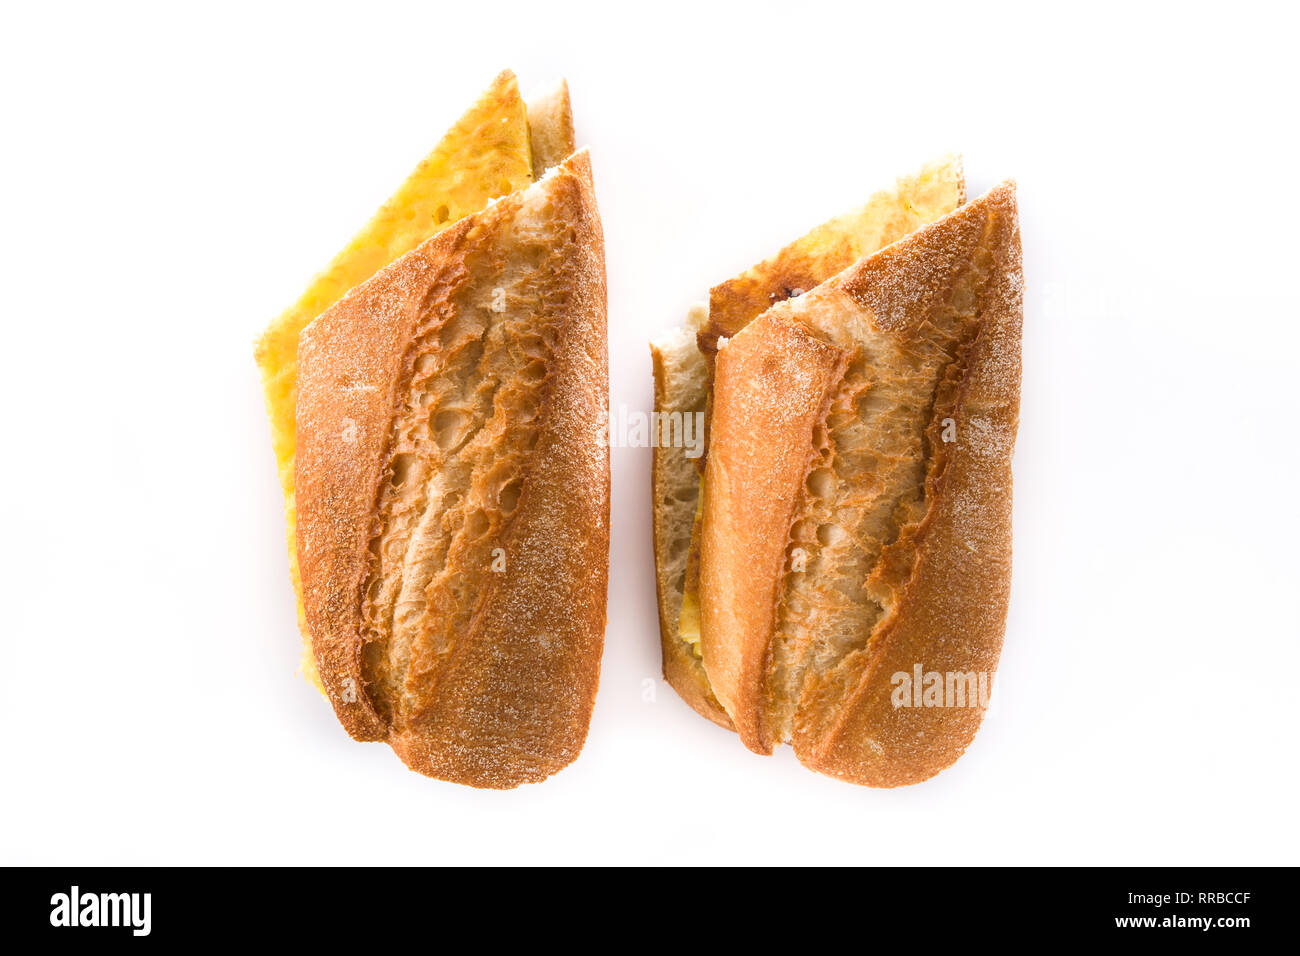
550	128
931	329
518	293
773	384
947	579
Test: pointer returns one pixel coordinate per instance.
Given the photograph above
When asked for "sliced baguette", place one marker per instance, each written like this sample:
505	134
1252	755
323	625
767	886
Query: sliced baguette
453	490
683	375
848	541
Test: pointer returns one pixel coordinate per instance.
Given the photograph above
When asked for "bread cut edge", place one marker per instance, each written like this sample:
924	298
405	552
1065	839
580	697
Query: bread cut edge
679	387
550	128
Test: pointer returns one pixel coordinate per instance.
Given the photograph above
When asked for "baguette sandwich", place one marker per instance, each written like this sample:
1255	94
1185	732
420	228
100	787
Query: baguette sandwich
438	425
851	534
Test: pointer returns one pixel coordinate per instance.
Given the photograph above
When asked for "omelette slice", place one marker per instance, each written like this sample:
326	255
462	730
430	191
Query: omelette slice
485	155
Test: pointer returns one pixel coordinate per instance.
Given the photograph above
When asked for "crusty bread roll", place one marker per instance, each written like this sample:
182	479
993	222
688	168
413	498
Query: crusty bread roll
453	490
682	362
857	501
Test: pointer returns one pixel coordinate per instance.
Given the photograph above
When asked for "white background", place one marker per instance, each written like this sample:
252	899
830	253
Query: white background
172	179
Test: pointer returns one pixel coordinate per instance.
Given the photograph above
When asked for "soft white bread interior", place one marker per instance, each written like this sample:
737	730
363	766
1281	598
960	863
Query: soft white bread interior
857	504
681	388
453	490
550	128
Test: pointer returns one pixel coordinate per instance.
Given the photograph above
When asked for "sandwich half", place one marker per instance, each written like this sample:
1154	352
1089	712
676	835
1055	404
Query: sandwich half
437	395
452	487
854	515
683	372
